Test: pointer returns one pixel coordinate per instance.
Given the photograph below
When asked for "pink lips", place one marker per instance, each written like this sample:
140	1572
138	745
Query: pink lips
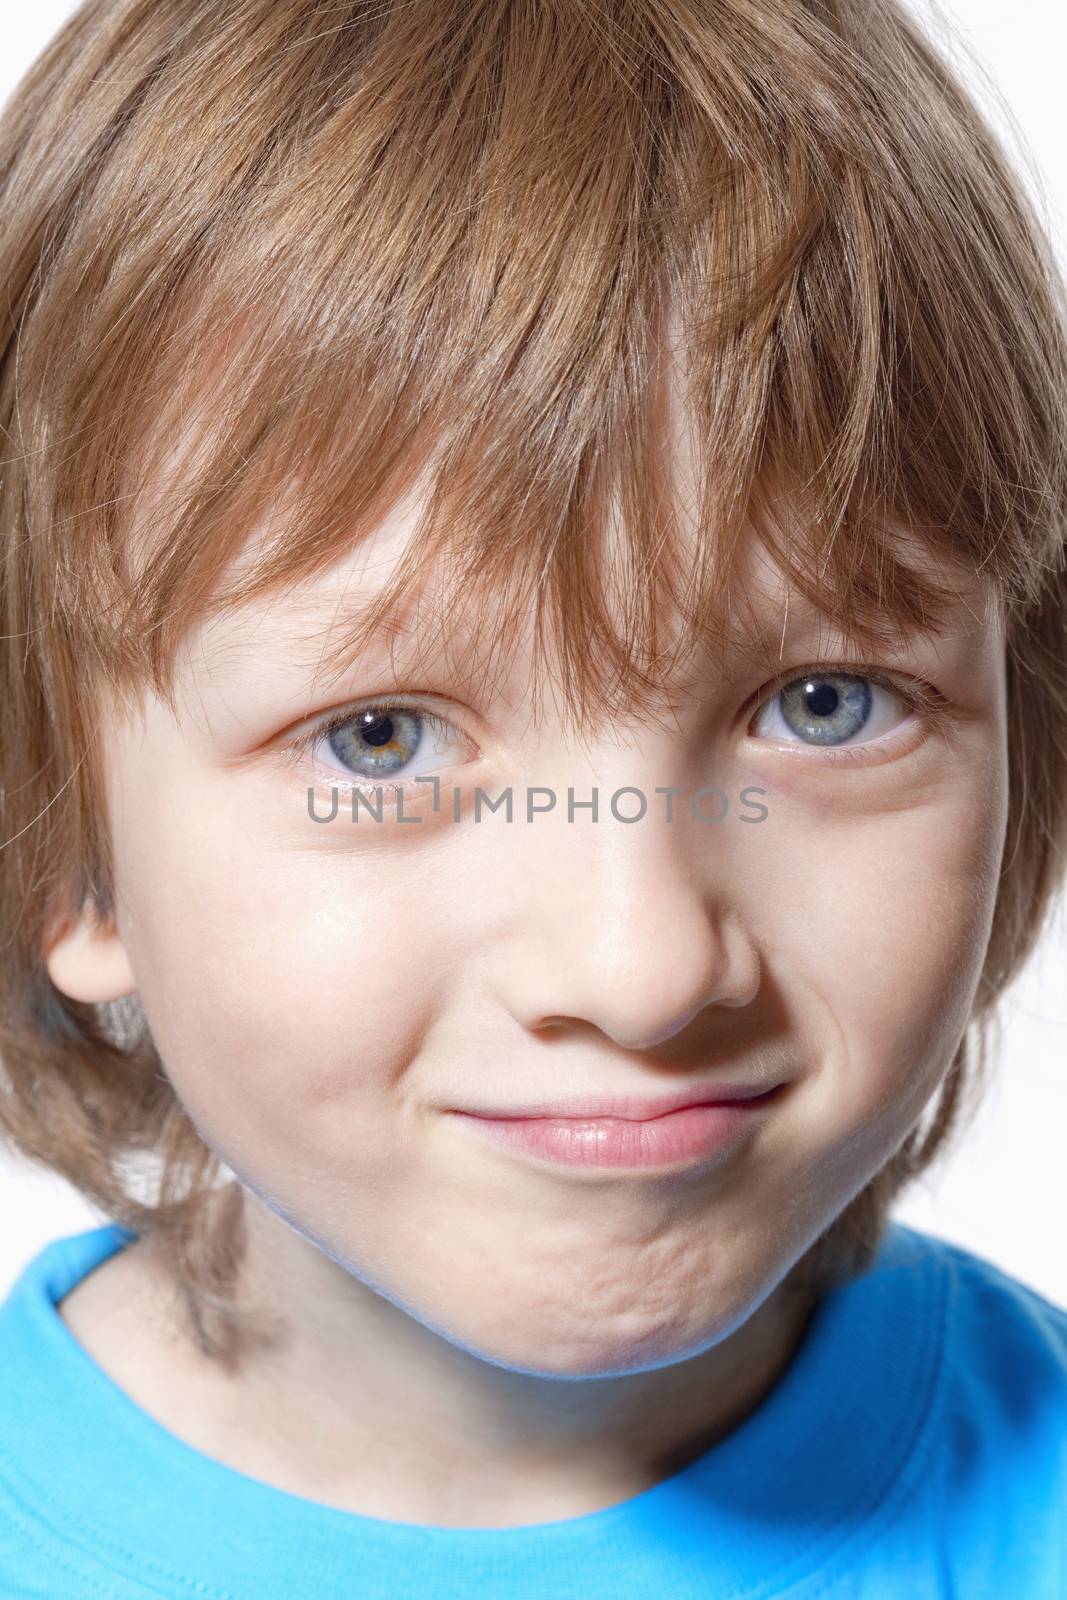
653	1139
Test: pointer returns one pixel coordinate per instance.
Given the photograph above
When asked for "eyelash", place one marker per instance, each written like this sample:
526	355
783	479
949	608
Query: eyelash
919	697
300	747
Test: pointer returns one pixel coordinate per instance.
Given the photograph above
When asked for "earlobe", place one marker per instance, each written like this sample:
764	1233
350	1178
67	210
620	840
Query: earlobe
89	963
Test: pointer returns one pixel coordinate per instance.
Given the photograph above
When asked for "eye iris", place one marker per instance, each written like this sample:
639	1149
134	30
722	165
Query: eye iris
828	708
377	743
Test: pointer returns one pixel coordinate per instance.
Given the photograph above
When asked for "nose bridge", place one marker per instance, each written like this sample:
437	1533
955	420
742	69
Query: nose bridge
633	925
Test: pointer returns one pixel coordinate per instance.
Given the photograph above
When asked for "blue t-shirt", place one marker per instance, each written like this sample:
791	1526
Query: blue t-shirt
915	1446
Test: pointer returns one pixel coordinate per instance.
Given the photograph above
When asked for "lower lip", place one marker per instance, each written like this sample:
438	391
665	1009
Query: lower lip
686	1135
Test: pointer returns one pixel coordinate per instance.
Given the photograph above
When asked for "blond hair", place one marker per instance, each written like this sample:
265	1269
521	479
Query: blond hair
349	239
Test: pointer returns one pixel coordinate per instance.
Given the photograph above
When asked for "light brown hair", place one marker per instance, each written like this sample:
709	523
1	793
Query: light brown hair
349	238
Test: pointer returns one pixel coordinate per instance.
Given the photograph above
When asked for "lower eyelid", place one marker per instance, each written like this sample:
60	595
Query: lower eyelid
418	794
412	788
898	743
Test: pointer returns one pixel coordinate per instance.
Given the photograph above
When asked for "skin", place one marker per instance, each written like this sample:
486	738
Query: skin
469	1338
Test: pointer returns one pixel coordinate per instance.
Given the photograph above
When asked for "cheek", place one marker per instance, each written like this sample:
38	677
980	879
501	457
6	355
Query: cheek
279	990
881	939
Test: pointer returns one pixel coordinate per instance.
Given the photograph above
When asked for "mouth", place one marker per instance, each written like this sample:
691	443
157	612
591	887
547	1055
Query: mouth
685	1134
629	1108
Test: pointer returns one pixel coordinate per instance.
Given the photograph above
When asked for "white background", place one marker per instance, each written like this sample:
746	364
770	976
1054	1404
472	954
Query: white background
1003	1192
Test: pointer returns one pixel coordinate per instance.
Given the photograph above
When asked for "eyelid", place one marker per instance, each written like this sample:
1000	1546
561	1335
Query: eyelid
915	692
928	706
299	746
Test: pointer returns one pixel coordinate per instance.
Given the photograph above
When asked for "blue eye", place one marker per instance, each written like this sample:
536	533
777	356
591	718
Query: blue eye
833	708
384	742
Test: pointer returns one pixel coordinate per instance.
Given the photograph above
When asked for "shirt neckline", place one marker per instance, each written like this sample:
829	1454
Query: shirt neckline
801	1478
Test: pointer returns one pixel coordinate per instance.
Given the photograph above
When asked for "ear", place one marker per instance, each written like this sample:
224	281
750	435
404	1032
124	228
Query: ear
88	962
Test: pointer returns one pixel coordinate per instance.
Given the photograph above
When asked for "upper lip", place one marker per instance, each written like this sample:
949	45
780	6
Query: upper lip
629	1108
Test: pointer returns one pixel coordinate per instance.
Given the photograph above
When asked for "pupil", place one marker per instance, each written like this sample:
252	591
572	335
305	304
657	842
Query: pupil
822	699
377	730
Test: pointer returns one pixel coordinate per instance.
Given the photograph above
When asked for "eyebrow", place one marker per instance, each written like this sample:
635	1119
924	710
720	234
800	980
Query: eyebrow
227	654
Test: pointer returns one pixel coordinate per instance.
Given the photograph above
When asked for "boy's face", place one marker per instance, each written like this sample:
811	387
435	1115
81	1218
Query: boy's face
323	995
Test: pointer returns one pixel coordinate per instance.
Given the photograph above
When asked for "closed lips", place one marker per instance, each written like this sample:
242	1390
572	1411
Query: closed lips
629	1108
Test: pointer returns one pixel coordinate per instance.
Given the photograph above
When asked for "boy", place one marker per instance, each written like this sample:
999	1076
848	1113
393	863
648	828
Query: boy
535	646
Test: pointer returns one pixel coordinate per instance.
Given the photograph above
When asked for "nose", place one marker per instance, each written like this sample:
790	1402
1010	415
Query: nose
633	928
